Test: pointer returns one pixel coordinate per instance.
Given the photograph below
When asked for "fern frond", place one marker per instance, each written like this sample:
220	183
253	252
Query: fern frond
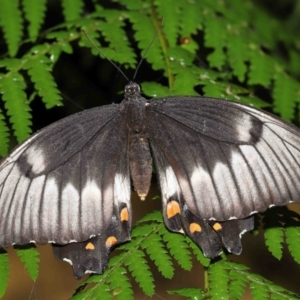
144	32
12	87
4	272
3	134
170	12
215	38
72	9
181	254
190	293
29	255
153	89
237	50
139	269
292	235
258	291
286	94
12	24
218	281
155	249
261	67
39	69
34	12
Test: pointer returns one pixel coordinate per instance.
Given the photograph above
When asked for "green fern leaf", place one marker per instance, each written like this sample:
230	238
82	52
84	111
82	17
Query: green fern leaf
153	89
154	216
181	254
170	12
215	38
155	249
259	291
119	284
274	240
3	135
39	71
261	67
144	33
294	63
29	255
12	89
120	52
237	53
286	94
218	281
11	23
189	13
237	284
72	9
293	240
191	293
185	82
134	5
4	272
138	266
141	230
34	12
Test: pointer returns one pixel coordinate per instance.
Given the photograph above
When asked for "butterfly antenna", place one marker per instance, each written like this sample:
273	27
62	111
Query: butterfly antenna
144	55
106	56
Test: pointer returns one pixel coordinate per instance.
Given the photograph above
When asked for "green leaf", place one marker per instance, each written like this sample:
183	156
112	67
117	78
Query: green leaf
11	23
274	240
191	293
39	71
34	12
4	272
12	89
218	281
286	95
72	9
293	240
3	135
178	248
261	67
29	255
155	249
139	269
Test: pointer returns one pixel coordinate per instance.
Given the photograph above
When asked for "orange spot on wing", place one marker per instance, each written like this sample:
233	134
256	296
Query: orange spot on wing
217	226
173	209
111	241
194	227
90	246
124	215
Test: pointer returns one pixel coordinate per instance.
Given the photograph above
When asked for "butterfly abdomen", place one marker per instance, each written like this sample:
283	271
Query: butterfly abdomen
140	163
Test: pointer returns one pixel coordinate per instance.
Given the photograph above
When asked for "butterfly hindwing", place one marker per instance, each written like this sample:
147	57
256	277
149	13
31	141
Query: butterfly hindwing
68	183
220	161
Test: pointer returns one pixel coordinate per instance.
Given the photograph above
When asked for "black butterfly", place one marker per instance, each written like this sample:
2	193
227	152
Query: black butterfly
218	162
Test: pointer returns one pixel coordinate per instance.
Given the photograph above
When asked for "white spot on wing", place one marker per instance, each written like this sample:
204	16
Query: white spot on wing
91	206
169	184
90	272
242	232
243	128
68	261
36	158
70	211
122	189
32	206
50	205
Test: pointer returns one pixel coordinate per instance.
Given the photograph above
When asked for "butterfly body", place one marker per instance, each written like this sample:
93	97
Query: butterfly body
217	162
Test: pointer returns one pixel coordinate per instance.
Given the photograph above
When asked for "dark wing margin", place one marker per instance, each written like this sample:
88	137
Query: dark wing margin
219	162
70	183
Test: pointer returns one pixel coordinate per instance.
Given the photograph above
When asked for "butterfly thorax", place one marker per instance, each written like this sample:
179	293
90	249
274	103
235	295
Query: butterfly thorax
134	108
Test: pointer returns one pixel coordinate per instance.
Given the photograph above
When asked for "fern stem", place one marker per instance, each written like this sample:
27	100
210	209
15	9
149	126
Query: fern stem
164	44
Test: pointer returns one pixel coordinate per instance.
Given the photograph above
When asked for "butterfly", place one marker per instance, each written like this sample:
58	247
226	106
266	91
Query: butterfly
218	163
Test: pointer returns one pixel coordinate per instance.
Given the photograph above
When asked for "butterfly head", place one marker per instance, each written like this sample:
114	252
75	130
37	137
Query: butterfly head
132	91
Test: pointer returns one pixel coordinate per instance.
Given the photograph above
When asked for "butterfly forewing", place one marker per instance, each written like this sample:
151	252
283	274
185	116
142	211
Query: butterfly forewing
64	184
